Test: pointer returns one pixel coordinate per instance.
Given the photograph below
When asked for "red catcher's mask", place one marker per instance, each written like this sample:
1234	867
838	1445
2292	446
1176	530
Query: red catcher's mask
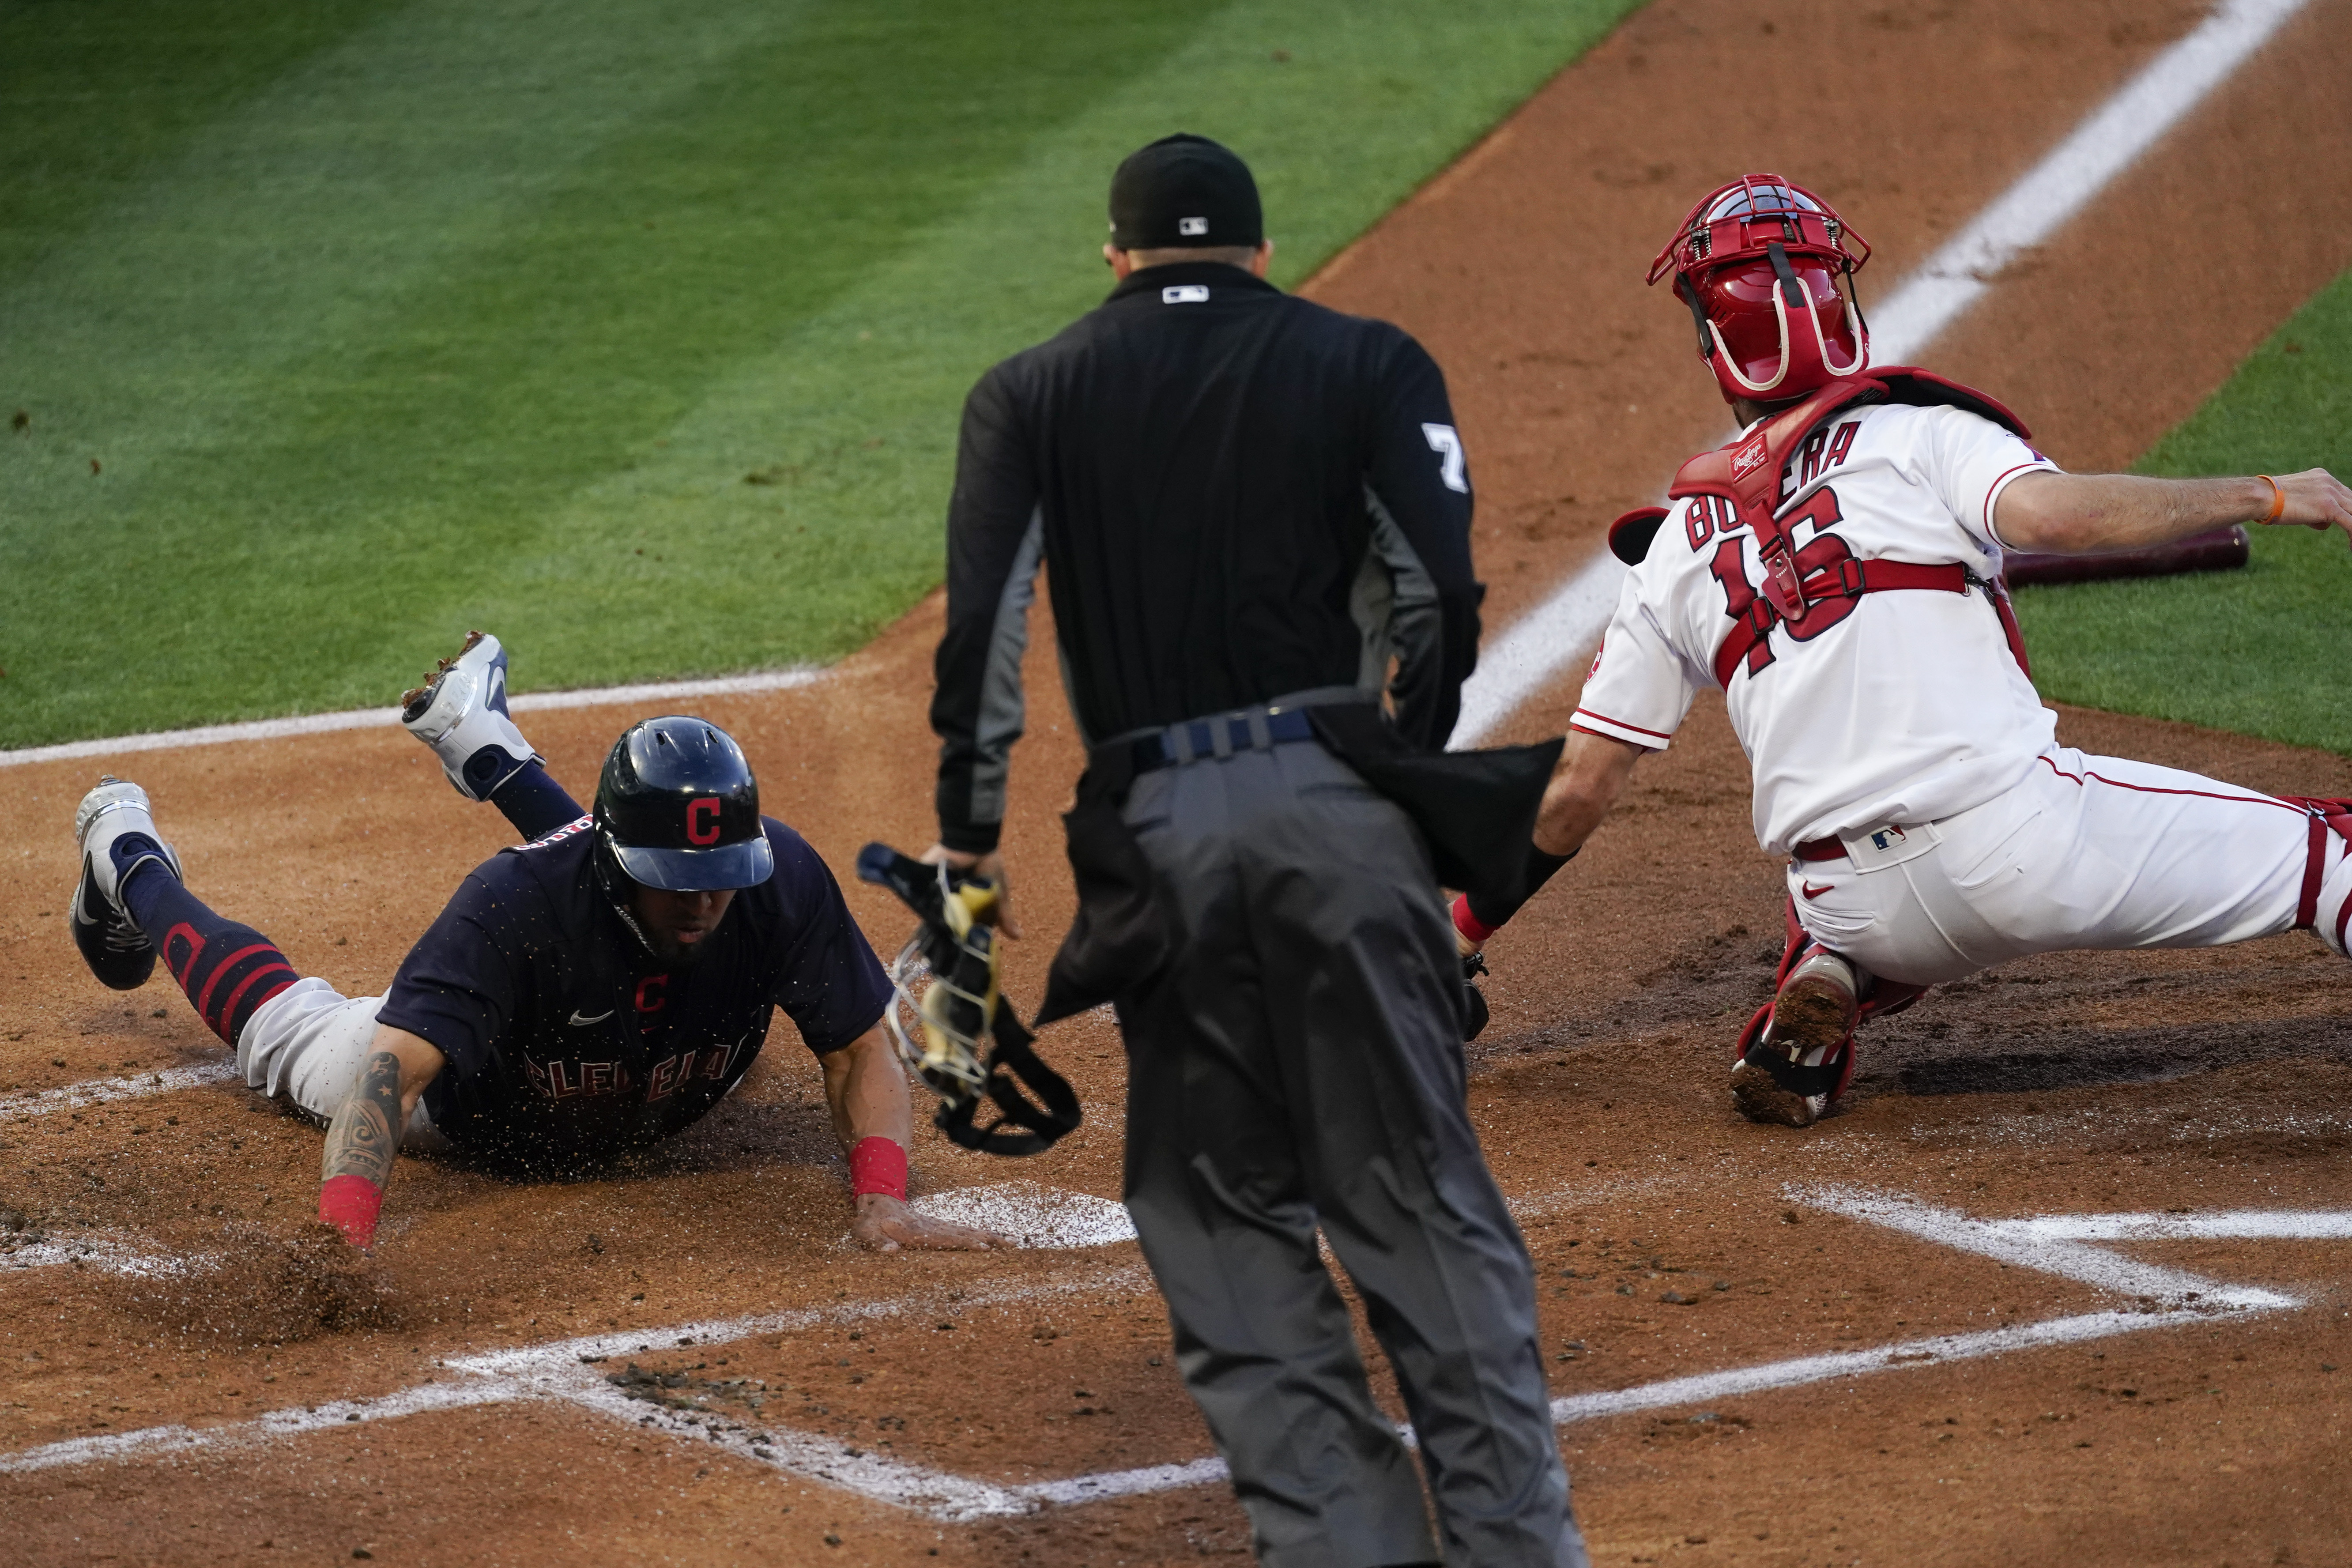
1757	261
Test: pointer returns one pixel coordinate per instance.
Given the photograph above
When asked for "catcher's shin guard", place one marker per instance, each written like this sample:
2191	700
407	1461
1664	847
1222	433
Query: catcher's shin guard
1796	1056
960	1007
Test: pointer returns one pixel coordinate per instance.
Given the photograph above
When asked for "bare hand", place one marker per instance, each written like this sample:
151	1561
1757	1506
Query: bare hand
885	1223
2315	498
990	868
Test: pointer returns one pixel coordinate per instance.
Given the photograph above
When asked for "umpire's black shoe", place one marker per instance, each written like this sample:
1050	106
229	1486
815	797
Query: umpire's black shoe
110	940
1474	963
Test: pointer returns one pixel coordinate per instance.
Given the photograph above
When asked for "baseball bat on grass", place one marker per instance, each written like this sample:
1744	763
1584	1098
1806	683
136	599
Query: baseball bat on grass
2216	550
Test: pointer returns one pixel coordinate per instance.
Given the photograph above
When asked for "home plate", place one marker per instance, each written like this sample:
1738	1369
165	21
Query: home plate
1030	1215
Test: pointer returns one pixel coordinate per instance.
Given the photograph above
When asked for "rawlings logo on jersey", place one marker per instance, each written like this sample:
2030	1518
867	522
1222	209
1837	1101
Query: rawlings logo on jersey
1751	456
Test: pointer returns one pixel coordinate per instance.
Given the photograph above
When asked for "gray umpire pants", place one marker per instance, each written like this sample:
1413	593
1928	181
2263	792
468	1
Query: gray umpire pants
1300	1064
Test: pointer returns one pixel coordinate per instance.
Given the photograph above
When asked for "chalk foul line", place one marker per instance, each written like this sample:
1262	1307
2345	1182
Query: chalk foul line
660	691
567	1370
2109	140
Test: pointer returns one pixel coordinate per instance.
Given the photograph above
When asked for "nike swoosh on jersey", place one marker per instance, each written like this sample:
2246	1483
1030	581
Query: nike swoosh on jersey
579	1022
1808	890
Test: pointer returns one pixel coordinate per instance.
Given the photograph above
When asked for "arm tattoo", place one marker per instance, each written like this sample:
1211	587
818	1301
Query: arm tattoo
366	1133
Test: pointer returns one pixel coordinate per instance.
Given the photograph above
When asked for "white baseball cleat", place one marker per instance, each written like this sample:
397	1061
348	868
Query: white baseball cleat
110	940
461	712
1791	1074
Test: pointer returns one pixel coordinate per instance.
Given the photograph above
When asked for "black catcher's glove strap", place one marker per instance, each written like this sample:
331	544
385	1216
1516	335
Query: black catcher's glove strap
1021	1126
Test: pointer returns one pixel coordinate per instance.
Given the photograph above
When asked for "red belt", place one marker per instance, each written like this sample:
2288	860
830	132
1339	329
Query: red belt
1830	848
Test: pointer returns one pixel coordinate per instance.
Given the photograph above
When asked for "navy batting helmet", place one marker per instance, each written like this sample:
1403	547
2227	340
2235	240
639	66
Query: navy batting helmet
678	808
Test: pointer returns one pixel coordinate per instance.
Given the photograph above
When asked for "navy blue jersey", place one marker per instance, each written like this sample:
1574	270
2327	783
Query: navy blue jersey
566	1039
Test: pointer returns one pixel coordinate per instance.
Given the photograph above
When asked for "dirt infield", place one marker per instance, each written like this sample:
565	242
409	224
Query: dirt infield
655	1365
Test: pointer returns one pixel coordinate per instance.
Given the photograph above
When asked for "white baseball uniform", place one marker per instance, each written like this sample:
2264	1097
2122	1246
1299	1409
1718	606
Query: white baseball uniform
308	1044
1899	723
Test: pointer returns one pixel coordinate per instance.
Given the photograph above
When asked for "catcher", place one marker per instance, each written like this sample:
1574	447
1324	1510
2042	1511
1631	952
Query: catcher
592	990
1837	571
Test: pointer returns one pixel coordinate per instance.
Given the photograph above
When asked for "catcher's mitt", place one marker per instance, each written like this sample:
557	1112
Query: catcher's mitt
960	1007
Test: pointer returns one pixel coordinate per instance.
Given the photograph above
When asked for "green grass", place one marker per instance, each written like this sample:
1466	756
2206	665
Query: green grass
2260	651
634	332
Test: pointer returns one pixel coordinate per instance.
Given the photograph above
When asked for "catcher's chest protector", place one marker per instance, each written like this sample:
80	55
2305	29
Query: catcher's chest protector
1747	476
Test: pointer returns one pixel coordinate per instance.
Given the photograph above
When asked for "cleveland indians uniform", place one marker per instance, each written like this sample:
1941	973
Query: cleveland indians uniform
567	1040
1901	727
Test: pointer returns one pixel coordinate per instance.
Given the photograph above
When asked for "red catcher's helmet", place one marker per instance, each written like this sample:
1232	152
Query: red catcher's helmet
1758	262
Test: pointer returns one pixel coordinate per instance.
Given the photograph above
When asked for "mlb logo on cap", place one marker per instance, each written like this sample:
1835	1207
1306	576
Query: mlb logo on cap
1191	225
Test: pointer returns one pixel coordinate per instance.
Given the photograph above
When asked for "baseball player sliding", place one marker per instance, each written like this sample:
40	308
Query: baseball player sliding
594	989
1836	570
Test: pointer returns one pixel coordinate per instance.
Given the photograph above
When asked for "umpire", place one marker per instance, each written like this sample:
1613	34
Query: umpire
1252	507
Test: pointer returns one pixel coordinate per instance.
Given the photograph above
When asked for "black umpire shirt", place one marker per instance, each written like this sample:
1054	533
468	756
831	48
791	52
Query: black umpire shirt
1241	494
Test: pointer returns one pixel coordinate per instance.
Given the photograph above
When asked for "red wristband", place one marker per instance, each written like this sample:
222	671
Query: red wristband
1468	924
350	1203
877	1165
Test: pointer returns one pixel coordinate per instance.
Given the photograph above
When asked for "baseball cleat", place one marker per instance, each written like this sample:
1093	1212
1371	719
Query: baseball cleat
116	834
1800	1061
461	712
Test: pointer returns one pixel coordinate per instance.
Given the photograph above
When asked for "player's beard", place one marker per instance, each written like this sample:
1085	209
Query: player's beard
681	954
665	948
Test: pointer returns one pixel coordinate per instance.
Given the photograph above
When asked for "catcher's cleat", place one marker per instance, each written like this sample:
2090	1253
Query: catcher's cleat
461	712
1474	963
1802	1056
117	835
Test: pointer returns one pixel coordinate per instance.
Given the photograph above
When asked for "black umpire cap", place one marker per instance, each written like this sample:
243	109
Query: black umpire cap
1184	193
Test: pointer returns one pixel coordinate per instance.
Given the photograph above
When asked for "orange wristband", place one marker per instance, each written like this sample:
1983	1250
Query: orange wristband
2278	498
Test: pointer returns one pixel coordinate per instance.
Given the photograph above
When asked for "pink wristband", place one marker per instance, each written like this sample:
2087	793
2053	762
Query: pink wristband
1467	923
877	1165
351	1205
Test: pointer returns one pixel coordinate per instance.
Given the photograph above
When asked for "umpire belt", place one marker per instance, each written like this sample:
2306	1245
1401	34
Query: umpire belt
1250	729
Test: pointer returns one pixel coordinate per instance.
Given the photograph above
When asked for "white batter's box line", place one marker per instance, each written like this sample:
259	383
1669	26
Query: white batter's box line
108	1255
562	1369
935	1493
2043	1244
153	1442
102	1090
662	691
569	1355
2110	140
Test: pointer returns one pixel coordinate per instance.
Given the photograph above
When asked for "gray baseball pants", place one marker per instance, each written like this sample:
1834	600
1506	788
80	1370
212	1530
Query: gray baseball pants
1299	1064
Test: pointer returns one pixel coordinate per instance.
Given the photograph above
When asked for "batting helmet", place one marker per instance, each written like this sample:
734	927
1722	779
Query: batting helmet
1757	261
678	808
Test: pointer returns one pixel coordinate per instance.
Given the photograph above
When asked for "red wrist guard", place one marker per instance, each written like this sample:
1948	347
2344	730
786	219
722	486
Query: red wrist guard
877	1165
350	1203
1467	923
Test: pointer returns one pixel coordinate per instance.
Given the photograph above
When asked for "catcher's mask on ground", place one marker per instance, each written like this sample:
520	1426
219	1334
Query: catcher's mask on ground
679	810
1757	261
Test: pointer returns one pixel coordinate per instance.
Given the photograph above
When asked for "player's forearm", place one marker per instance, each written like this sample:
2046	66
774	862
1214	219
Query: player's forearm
364	1138
872	1116
1592	773
867	1090
2073	514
